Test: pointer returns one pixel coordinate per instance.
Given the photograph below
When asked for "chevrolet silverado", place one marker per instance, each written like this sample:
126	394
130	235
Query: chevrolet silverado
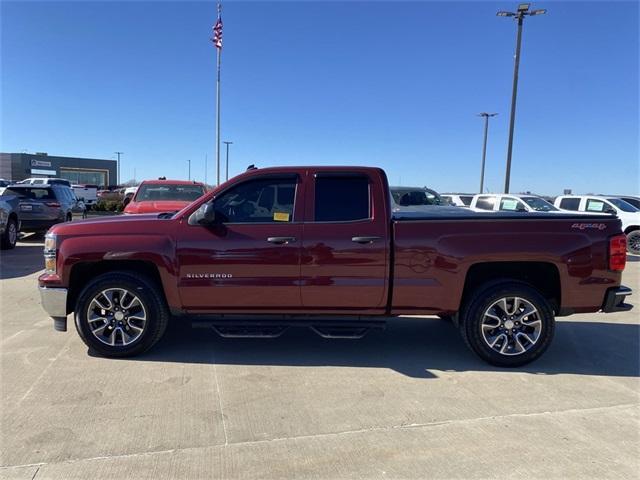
320	247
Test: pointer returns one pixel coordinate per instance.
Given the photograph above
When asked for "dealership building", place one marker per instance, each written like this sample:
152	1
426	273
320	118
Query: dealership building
87	171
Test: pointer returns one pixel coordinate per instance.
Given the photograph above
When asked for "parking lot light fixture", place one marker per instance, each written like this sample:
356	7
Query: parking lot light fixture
523	11
484	145
227	144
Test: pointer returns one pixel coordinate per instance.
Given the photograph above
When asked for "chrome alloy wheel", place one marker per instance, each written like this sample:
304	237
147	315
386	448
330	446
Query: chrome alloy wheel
511	325
116	317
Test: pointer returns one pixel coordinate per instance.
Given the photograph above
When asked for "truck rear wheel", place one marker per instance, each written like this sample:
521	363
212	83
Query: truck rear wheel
508	324
119	315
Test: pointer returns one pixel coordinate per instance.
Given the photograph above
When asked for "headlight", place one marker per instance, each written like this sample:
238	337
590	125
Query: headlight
50	245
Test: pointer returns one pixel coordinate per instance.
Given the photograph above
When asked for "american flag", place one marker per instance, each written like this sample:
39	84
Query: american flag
217	34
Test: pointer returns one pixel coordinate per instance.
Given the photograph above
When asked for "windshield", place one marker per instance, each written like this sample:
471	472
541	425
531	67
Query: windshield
419	196
539	205
622	205
32	193
169	192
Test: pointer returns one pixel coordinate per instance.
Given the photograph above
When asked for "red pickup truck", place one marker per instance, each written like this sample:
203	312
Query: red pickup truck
320	247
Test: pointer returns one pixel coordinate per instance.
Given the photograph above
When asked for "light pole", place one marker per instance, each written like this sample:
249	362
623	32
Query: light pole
227	144
189	176
118	174
484	145
523	11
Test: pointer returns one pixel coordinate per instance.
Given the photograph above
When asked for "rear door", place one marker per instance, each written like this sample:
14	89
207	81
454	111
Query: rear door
250	259
345	243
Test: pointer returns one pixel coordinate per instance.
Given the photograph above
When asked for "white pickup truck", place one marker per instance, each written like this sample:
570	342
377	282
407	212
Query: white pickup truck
597	204
509	202
87	193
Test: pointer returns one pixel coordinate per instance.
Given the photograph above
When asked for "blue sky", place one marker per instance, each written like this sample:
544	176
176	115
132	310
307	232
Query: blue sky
390	84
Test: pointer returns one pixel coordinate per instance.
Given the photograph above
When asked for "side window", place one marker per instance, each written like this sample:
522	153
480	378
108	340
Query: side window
64	194
466	199
486	203
511	205
570	204
258	201
342	199
596	205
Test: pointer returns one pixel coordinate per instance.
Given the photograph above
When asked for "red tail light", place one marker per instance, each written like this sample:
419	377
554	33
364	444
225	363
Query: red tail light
617	253
52	204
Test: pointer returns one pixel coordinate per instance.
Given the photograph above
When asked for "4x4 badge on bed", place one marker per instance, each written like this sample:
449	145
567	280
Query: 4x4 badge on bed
584	226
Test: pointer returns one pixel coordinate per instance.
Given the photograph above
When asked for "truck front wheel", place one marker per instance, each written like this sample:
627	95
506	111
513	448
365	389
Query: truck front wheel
119	315
508	324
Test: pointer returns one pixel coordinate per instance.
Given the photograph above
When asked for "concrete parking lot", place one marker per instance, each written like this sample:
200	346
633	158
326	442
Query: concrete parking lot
408	402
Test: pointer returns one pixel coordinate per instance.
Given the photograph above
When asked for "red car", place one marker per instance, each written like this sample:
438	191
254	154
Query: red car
157	196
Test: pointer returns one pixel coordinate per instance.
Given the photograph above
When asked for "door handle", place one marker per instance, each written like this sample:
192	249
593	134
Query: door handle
281	240
364	240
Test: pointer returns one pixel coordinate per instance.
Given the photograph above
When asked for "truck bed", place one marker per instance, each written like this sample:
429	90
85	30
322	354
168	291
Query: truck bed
460	213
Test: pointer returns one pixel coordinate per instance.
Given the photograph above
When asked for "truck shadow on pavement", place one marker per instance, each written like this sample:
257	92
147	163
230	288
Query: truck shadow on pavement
26	258
417	348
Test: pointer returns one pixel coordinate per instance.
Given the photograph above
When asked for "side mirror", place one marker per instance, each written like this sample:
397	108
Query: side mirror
126	201
520	208
610	210
205	215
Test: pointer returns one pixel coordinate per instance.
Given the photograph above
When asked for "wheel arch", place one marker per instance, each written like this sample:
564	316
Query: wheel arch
543	276
82	273
631	228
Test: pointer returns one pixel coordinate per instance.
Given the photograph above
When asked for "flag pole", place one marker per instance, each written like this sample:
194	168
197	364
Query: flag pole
219	55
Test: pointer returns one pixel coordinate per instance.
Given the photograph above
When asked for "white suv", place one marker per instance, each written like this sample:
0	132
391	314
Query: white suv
627	213
508	202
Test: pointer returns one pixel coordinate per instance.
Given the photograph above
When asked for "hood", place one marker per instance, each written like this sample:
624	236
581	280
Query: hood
113	224
157	206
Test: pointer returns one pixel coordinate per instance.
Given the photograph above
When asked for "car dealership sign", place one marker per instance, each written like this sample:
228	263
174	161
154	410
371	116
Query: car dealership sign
40	163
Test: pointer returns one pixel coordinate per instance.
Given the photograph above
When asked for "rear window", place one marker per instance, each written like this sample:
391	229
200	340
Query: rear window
486	203
342	199
158	192
570	204
30	193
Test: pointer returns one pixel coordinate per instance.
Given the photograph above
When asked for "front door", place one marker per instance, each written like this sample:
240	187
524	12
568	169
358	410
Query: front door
249	260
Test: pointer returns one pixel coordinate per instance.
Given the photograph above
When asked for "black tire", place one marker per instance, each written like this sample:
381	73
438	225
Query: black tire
149	296
482	300
10	235
633	242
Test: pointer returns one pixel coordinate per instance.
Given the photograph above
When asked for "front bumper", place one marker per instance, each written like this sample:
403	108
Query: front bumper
614	300
54	302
